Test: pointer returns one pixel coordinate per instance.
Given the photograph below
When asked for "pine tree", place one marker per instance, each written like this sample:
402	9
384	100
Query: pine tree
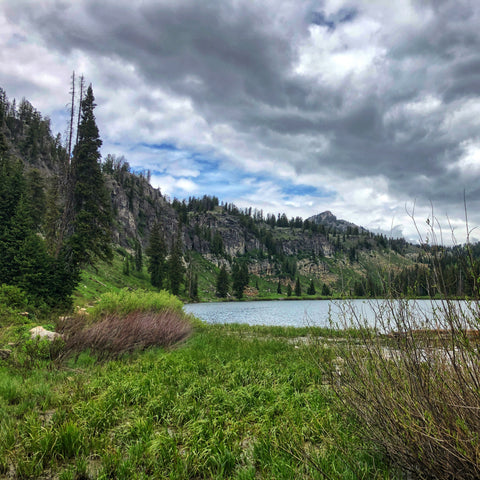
193	288
138	256
240	277
36	196
217	247
176	269
326	290
89	234
289	290
222	283
157	252
298	288
24	260
126	264
52	216
311	289
279	286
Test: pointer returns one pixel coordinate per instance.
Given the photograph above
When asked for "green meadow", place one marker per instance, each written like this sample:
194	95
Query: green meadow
224	402
136	388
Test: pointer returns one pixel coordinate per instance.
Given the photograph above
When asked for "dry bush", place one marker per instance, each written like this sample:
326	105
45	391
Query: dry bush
414	382
117	334
412	376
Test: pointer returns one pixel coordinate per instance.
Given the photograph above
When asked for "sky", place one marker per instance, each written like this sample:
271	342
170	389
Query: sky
369	109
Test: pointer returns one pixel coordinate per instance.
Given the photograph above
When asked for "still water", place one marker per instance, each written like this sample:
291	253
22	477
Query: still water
295	313
320	313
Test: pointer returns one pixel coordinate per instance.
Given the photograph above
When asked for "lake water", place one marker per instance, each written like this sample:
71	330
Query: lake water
321	313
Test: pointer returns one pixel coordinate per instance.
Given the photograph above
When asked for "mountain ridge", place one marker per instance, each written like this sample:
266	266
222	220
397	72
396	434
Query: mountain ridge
330	254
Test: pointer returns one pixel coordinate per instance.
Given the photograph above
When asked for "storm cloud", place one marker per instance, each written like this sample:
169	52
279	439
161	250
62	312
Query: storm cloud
362	106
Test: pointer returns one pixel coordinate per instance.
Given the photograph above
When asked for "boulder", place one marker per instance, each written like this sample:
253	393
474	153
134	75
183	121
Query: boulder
43	333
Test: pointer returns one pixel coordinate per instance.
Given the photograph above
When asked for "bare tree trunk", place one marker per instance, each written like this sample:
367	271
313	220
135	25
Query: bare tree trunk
72	113
82	84
66	183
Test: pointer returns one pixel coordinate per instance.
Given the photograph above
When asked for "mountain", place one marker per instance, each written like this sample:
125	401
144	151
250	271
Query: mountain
336	256
328	219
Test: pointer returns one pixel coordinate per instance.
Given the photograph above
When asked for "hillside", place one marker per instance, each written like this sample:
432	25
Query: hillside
326	255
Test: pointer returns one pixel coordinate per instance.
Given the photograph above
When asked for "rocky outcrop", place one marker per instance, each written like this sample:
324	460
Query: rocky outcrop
303	242
329	220
137	206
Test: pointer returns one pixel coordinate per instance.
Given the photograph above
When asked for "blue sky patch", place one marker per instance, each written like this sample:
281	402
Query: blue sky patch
170	147
188	173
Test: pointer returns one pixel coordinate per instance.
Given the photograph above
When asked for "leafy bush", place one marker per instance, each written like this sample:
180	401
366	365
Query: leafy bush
13	297
13	301
126	301
37	350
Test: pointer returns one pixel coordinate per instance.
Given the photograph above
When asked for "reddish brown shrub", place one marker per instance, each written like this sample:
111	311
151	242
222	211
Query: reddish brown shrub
115	335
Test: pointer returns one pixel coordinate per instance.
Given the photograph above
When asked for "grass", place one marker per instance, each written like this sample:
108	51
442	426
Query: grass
108	277
222	405
125	301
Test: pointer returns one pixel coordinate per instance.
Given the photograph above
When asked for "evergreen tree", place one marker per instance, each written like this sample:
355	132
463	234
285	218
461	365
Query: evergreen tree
311	289
89	233
222	283
52	216
289	290
36	197
126	264
176	269
12	183
359	289
217	247
326	290
191	282
193	290
157	252
138	256
279	286
24	260
240	277
298	288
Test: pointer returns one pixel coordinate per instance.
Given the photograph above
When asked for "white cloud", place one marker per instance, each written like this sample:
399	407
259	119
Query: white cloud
380	110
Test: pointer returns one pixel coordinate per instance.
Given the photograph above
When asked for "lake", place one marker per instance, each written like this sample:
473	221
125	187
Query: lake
302	313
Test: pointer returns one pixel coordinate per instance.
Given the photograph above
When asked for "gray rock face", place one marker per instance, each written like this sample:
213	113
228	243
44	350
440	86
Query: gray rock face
328	219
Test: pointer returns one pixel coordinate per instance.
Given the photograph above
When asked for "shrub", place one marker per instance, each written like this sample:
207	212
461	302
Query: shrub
126	301
413	378
118	334
36	350
13	297
416	390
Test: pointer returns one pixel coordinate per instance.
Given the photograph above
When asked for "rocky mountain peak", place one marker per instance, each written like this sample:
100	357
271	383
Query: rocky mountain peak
328	219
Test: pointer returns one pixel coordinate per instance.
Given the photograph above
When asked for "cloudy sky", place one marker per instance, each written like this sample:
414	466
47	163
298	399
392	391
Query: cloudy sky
364	108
